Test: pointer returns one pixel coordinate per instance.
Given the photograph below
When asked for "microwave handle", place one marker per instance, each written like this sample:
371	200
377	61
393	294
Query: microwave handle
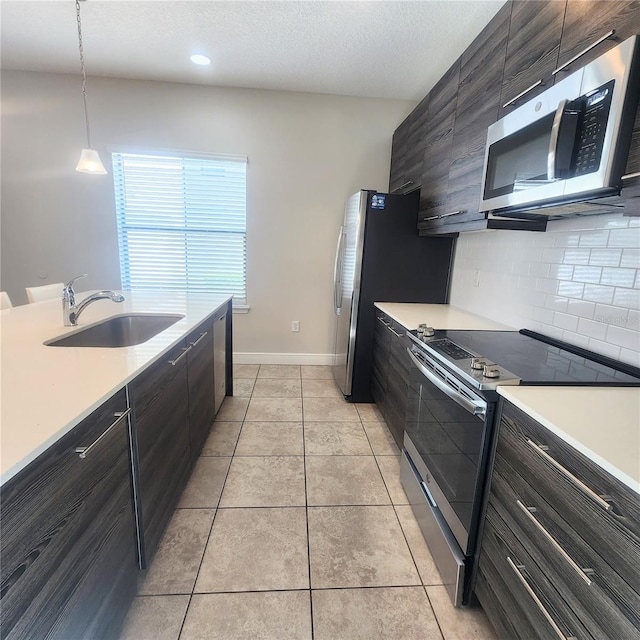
554	140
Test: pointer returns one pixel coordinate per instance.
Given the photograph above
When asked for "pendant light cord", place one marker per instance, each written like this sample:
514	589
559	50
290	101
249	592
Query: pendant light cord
84	76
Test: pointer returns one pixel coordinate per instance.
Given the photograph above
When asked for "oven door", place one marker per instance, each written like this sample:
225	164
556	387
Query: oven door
445	438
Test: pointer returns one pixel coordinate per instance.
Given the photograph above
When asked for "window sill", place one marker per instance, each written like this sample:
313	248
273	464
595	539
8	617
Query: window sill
241	308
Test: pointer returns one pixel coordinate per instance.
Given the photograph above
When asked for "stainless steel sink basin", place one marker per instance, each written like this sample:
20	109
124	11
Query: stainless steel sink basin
118	331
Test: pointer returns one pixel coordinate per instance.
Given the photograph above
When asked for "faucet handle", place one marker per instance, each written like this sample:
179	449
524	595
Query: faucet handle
68	293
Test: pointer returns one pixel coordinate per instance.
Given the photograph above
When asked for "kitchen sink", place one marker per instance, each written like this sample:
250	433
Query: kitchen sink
118	331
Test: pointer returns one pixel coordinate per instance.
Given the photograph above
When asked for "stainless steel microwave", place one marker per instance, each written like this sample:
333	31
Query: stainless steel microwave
569	144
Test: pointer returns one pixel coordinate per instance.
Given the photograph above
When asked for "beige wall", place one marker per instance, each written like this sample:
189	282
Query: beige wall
307	153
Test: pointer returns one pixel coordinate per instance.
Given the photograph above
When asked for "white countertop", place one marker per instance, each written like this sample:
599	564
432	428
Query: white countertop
438	316
603	423
46	391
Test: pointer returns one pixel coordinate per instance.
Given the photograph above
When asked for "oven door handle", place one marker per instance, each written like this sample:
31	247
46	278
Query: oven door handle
476	408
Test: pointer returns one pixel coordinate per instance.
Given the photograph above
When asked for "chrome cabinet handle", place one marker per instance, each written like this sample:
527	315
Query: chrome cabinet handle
529	511
593	45
202	335
395	333
442	215
534	597
523	93
630	176
567	474
386	324
119	417
182	355
474	408
402	186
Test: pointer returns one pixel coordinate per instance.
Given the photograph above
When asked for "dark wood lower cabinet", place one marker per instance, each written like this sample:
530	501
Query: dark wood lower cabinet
68	546
390	373
160	401
200	371
560	551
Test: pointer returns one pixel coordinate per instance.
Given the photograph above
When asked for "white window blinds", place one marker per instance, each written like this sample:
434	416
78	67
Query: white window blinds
181	222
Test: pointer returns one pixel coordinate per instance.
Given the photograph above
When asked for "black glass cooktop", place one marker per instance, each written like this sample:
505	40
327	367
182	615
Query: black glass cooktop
537	362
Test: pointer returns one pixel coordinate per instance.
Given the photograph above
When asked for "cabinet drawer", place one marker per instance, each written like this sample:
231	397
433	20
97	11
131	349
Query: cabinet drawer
68	551
536	596
572	485
607	605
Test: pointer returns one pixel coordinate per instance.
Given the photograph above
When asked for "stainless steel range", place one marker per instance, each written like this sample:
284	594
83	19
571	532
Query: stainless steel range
450	424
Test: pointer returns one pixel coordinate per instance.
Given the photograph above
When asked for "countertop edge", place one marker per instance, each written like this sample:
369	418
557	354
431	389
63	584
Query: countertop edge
507	394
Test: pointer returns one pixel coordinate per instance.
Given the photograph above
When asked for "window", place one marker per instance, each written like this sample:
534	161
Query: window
182	222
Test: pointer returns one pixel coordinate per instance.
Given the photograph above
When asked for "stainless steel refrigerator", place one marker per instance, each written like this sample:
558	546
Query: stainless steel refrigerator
380	258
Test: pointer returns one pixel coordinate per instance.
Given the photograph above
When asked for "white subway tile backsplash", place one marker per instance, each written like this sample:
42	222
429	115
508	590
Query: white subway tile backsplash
624	238
557	303
547	285
605	257
605	348
623	338
576	256
543	315
561	271
608	314
539	269
617	277
565	321
630	356
581	308
553	255
630	258
592	329
568	239
598	293
587	274
578	282
629	298
576	339
570	289
594	238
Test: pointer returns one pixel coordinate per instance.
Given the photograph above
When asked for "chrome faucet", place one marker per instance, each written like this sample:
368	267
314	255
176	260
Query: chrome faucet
71	311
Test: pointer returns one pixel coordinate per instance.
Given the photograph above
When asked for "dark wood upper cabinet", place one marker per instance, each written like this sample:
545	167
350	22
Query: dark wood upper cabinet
437	145
408	149
399	157
481	69
587	21
532	51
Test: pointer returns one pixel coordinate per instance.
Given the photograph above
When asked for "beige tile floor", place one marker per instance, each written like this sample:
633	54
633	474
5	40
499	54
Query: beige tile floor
294	525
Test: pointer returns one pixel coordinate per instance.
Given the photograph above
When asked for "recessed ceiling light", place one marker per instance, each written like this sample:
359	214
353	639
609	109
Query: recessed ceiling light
198	58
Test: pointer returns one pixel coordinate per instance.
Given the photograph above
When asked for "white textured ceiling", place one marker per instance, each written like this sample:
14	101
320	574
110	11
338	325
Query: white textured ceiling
382	49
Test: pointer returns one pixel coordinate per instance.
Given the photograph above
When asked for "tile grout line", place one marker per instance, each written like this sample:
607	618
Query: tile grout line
215	515
306	505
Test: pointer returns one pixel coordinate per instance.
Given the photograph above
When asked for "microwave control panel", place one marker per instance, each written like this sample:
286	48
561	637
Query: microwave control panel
596	106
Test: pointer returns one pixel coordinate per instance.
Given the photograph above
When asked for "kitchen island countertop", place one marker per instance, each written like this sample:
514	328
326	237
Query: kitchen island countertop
46	391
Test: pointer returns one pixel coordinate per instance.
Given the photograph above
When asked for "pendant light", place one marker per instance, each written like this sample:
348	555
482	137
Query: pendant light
89	159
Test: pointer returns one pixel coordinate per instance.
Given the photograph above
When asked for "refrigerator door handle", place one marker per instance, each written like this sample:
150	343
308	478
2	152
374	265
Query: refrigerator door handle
337	274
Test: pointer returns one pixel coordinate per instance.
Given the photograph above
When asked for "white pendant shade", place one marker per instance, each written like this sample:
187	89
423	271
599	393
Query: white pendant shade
90	162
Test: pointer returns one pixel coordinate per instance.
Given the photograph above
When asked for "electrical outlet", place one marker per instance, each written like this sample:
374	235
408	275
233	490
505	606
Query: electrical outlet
476	278
295	325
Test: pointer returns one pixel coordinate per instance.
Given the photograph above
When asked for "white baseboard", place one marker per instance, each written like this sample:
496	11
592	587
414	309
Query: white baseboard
282	358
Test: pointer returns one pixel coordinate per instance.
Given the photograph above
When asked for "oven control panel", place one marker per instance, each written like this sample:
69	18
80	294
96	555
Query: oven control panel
471	367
